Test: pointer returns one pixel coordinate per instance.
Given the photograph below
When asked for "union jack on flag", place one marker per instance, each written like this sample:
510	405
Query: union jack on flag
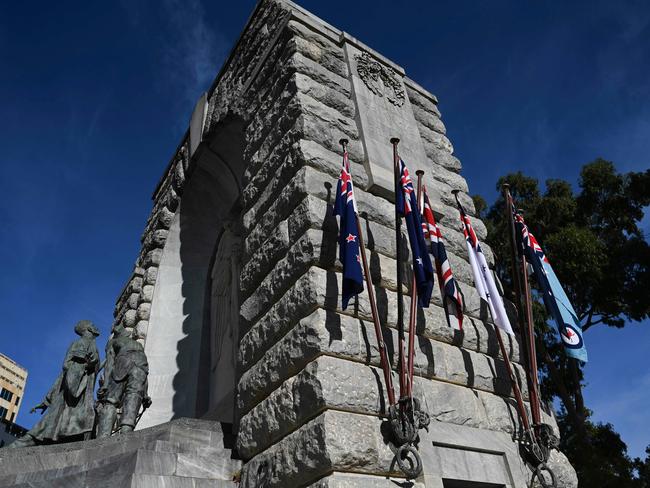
349	251
483	278
406	202
450	292
555	298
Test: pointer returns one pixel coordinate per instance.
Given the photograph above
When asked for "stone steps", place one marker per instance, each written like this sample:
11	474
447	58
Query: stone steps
180	453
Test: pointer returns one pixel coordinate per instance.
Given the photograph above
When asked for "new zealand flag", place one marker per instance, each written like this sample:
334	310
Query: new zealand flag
349	253
556	301
451	297
407	206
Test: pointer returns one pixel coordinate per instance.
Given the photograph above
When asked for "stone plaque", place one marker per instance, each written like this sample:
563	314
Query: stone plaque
384	112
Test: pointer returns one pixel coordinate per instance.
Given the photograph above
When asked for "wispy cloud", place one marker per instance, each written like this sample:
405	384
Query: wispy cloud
192	50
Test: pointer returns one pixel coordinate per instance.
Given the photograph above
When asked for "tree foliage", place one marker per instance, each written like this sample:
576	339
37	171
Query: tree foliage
596	245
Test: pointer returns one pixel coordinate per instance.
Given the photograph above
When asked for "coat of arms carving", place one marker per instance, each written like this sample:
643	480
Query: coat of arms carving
380	80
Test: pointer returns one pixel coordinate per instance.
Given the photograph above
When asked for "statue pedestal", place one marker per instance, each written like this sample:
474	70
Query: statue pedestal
181	453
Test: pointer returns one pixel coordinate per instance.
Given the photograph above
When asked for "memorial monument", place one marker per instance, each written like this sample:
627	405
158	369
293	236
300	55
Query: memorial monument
235	295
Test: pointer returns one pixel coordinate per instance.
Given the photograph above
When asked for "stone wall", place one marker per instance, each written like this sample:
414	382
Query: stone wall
310	397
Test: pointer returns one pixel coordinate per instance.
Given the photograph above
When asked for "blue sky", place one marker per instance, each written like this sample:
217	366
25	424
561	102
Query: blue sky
95	97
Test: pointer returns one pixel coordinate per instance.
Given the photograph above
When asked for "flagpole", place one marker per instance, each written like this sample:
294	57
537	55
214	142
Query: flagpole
517	280
522	289
414	301
532	349
403	388
381	345
506	358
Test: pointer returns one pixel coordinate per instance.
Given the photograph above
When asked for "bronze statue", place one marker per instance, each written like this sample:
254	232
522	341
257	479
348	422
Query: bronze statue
124	384
68	406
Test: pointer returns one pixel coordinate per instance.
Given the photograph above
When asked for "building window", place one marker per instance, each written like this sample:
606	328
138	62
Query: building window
6	394
17	400
3	412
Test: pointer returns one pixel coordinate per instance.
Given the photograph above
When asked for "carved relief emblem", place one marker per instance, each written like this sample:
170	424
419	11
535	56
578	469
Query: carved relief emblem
380	80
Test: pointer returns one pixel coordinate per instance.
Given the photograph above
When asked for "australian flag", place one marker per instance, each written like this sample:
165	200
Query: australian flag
349	254
407	206
451	297
555	299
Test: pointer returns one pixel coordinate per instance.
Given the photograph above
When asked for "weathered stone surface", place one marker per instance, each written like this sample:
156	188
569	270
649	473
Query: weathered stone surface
333	440
330	382
146	295
144	309
319	288
141	328
327	332
565	475
311	183
166	455
133	300
130	318
354	480
150	275
152	258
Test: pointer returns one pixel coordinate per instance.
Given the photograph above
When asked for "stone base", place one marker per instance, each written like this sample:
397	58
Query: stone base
183	453
342	449
465	455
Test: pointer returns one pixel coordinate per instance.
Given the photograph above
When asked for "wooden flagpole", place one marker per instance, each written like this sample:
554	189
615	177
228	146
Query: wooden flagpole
414	301
381	345
504	353
522	289
403	387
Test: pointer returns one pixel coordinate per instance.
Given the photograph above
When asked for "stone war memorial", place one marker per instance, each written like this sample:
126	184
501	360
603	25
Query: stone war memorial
257	376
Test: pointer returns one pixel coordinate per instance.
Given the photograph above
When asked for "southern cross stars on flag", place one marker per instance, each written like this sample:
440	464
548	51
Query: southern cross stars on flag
556	301
451	297
349	253
407	206
483	279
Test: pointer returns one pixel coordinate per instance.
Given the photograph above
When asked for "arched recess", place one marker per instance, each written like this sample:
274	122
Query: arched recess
192	366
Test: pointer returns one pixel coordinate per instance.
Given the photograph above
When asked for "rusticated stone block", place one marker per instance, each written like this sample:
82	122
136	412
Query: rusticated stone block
130	318
144	309
152	258
330	382
146	295
141	329
150	275
355	480
133	300
333	440
328	333
319	288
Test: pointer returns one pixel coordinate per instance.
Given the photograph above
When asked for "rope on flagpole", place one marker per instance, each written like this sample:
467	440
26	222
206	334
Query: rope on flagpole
414	302
406	418
532	448
543	433
381	345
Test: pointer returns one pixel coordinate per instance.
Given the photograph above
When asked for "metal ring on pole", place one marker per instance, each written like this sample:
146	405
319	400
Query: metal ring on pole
411	465
539	474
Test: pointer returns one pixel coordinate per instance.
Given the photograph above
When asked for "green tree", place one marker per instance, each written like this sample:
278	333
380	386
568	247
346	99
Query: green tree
598	250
